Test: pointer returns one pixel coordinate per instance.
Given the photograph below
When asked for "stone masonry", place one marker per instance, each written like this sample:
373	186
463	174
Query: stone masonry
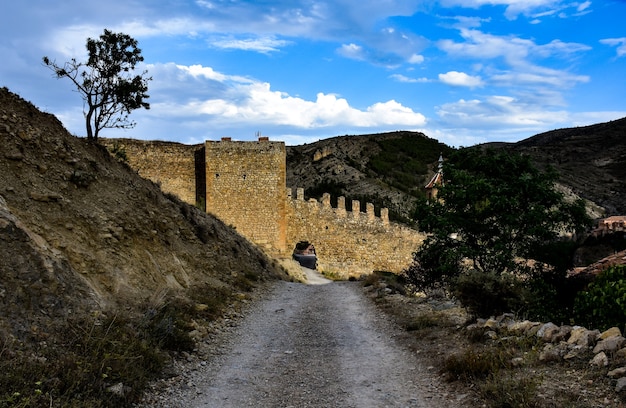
244	184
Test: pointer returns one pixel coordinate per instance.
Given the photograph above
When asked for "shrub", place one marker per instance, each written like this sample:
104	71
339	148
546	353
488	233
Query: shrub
168	326
509	391
81	178
603	304
488	294
119	152
474	364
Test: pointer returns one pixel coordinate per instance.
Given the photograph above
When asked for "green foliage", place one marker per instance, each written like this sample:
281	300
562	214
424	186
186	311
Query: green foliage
495	208
488	294
402	162
603	304
550	295
435	266
119	152
109	90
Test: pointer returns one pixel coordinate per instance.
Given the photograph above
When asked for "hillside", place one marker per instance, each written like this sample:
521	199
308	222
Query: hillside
387	169
591	160
390	169
86	243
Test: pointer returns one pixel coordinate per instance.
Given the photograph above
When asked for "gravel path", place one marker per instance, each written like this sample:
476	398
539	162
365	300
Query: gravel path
316	345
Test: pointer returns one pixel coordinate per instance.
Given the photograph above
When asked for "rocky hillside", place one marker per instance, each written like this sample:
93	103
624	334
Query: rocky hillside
82	235
591	161
390	169
387	169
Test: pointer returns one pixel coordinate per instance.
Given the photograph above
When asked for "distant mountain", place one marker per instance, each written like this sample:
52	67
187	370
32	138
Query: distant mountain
391	169
591	160
386	169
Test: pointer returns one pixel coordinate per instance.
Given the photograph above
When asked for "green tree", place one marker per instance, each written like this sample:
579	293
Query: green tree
495	208
106	82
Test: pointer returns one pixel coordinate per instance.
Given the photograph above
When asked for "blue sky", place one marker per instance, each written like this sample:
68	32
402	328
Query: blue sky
461	71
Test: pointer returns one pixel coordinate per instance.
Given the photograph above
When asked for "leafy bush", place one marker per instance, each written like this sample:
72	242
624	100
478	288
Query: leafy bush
488	294
119	152
603	304
435	266
167	326
82	178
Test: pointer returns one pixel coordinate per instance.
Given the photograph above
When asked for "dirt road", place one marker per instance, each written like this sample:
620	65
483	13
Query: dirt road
316	345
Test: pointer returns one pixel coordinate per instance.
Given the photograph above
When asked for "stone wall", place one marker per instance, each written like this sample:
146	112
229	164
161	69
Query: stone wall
244	184
169	164
350	243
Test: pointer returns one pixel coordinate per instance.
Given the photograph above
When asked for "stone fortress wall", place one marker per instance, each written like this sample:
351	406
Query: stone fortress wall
244	184
171	165
245	187
350	243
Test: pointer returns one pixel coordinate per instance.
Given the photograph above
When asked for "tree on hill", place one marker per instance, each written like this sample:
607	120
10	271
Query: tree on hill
494	210
106	82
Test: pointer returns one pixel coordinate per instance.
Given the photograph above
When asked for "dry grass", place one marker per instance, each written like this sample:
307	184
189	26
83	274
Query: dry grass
497	373
105	360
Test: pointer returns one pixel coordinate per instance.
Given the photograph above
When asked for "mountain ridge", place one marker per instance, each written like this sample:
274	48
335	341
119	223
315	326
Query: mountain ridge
590	160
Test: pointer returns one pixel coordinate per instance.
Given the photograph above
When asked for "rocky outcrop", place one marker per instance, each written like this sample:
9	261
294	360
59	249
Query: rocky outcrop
563	343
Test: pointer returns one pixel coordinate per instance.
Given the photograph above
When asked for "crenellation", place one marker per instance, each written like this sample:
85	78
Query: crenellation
356	208
341	206
384	215
326	200
369	207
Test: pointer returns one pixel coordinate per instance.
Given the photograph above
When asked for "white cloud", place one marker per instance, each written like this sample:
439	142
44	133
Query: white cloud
352	51
533	9
264	45
456	78
583	6
416	59
539	76
403	78
227	99
505	118
619	43
513	50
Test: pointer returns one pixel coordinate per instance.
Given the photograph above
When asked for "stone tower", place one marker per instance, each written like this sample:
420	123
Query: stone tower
245	187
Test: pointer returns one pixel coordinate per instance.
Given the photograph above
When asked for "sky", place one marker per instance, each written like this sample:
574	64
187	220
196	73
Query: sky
460	71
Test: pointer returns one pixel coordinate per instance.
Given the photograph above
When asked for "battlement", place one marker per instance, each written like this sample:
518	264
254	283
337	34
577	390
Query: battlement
340	209
350	242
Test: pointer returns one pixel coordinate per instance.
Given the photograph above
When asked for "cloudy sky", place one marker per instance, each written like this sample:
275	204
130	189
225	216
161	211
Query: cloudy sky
461	71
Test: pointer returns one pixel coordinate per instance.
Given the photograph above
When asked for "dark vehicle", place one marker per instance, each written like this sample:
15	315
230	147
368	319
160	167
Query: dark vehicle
305	254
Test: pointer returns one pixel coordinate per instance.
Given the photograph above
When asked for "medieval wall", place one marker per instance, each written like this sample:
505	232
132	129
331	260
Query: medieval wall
169	164
245	185
349	242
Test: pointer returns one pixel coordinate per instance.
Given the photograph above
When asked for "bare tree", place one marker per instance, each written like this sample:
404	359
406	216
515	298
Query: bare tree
106	83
